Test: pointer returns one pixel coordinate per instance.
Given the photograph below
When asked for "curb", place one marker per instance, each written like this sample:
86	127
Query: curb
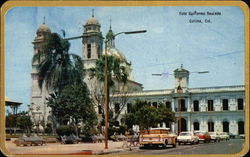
103	152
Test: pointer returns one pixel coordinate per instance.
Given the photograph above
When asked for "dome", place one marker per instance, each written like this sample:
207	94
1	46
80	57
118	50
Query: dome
92	21
115	52
43	28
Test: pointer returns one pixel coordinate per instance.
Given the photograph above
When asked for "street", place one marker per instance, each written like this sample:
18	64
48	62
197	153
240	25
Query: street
224	147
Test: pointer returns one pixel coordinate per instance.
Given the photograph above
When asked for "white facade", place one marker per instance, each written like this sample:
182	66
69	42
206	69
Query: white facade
210	108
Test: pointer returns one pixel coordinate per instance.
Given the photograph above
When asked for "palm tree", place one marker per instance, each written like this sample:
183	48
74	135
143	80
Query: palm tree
56	66
115	70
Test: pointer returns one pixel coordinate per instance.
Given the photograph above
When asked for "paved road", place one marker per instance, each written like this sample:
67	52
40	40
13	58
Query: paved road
224	147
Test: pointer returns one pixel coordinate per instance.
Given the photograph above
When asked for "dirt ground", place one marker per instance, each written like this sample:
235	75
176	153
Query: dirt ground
58	148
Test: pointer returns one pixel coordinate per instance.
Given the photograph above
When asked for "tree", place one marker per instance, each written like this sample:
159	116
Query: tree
116	73
56	66
73	104
122	98
115	70
11	122
21	120
24	122
145	115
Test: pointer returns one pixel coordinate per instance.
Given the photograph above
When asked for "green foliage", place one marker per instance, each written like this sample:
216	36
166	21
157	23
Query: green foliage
122	129
146	116
65	130
115	70
21	120
11	121
56	66
24	121
48	128
89	130
73	103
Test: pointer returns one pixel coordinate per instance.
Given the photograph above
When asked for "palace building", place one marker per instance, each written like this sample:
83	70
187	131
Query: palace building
208	108
218	109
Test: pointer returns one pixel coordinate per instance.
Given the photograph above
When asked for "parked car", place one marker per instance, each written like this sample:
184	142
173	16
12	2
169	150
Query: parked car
157	137
231	135
242	136
187	137
203	136
214	136
224	135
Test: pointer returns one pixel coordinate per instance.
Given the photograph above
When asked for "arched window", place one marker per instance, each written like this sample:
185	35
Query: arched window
168	104
196	126
88	50
182	107
210	125
99	109
128	107
183	125
241	128
210	105
117	107
240	104
225	104
196	105
225	125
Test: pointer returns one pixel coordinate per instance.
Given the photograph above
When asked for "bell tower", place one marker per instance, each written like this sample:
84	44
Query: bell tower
92	49
92	42
38	109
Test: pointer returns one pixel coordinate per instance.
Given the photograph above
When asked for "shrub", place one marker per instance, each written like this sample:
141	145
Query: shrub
122	129
65	130
48	129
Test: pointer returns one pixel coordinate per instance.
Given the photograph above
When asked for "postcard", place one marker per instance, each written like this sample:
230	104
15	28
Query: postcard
124	78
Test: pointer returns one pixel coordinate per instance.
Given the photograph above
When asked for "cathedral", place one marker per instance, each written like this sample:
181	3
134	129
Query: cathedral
209	108
92	49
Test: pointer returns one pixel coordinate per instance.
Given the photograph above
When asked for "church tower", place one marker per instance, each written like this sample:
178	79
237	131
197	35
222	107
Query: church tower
39	110
92	47
92	42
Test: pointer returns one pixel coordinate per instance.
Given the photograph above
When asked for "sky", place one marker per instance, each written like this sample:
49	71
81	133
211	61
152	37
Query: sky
170	40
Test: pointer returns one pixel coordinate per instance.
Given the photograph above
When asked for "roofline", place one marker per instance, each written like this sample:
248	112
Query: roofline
135	82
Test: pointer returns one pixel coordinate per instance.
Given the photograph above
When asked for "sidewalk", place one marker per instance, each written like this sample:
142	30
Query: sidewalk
58	148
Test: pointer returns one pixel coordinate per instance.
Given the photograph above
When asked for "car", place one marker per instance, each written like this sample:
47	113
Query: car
157	137
231	135
187	137
214	136
224	135
203	136
242	136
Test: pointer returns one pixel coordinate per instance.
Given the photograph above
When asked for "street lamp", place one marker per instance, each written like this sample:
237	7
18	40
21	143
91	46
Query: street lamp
106	80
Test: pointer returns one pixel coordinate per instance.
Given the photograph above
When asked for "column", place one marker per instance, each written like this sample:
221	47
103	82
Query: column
188	123
188	104
172	104
172	127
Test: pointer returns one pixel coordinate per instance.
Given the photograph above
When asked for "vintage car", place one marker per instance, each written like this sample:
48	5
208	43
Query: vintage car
157	137
224	135
187	137
214	136
203	136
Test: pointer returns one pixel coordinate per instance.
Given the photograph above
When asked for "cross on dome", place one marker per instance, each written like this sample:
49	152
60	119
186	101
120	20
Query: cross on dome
93	12
44	20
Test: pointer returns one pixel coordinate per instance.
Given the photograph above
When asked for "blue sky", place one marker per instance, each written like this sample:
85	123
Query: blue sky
170	41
